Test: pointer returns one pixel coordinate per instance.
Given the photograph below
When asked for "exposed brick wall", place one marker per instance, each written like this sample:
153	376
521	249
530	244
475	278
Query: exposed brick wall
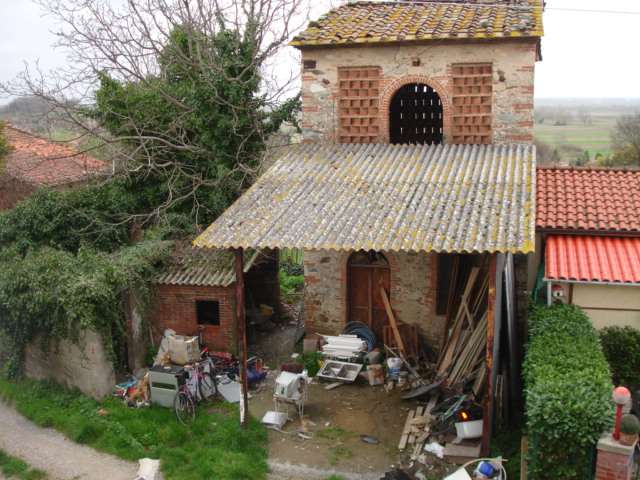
472	97
615	461
175	308
511	107
412	294
358	104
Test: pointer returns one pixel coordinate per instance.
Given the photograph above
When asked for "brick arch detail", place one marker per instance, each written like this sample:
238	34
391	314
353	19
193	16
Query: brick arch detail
391	89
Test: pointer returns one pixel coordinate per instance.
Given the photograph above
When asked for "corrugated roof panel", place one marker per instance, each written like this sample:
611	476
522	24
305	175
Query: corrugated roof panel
450	198
583	258
203	267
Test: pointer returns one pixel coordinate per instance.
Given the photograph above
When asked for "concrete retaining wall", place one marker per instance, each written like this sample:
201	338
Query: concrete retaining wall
85	366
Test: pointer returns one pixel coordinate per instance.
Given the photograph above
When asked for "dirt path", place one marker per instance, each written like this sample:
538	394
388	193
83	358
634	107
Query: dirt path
49	450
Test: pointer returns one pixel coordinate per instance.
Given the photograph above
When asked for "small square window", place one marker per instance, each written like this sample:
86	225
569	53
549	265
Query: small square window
208	312
309	64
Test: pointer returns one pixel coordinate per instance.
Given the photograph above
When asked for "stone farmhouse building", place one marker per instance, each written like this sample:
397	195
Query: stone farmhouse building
417	162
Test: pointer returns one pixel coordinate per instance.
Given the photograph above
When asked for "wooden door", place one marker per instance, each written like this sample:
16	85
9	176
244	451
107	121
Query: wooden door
367	271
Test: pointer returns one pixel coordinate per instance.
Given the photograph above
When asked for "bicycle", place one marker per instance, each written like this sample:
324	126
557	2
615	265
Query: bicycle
206	386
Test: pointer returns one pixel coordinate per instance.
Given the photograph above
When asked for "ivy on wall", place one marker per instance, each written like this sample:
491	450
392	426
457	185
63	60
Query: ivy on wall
67	264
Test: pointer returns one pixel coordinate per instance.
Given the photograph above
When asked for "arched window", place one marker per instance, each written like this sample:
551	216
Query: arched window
415	115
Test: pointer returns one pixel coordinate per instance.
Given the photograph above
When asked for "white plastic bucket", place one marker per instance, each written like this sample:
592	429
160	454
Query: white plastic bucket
394	364
471	429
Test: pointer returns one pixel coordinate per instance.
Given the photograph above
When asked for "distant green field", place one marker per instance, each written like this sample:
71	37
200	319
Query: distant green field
594	137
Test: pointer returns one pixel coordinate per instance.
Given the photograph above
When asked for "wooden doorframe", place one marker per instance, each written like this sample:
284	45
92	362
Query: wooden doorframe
371	289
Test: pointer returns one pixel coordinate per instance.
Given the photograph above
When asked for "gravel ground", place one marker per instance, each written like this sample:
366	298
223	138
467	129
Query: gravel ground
287	471
49	450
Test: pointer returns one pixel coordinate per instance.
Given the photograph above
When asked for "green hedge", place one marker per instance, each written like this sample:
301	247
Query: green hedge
621	346
568	391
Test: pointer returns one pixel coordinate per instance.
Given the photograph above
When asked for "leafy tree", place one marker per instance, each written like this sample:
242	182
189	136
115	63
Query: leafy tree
221	141
582	159
183	95
184	92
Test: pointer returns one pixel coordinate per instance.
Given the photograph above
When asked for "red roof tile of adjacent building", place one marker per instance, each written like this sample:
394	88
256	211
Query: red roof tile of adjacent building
588	200
44	162
585	258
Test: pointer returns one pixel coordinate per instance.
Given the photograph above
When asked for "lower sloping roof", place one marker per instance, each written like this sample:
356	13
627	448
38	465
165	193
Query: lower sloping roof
38	161
588	200
584	258
203	267
451	198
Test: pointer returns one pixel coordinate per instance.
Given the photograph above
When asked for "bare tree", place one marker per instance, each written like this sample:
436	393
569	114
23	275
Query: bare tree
150	43
625	140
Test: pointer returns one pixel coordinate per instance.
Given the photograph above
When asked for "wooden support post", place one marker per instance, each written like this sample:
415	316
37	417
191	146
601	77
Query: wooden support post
392	322
242	335
487	418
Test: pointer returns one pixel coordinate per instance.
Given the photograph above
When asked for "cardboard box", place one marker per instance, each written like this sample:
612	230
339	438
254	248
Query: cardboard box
183	350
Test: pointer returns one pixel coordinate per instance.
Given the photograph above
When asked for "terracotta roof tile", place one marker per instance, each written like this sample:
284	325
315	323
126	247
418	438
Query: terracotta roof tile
586	258
382	22
44	162
589	200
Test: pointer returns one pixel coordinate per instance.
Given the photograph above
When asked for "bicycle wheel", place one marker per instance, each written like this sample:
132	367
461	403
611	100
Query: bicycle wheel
184	407
208	386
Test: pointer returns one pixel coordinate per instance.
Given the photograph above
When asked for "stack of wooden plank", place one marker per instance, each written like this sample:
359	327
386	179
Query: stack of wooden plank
462	357
343	346
417	428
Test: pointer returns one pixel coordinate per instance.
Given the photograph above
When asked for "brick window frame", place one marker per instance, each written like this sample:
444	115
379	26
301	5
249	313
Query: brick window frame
358	104
472	99
391	89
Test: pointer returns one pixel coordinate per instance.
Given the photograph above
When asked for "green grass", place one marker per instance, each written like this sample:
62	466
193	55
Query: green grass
12	467
214	446
595	138
339	452
334	433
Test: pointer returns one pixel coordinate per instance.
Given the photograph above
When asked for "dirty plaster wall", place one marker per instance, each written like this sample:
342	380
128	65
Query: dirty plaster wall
608	305
84	366
412	295
513	76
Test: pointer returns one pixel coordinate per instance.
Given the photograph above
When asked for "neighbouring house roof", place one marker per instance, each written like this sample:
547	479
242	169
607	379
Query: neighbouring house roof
203	267
449	198
383	22
588	200
38	161
586	258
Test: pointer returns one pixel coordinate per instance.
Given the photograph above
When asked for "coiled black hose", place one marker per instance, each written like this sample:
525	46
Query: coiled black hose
362	331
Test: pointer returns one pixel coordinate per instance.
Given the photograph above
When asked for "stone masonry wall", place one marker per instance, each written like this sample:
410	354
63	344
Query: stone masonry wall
412	295
390	67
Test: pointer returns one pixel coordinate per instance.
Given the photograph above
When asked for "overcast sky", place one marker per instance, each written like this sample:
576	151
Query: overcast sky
590	54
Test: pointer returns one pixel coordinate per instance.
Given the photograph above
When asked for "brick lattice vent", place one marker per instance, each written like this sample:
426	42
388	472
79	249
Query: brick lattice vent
358	104
472	99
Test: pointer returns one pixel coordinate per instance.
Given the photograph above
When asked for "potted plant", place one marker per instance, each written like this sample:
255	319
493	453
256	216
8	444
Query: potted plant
629	429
